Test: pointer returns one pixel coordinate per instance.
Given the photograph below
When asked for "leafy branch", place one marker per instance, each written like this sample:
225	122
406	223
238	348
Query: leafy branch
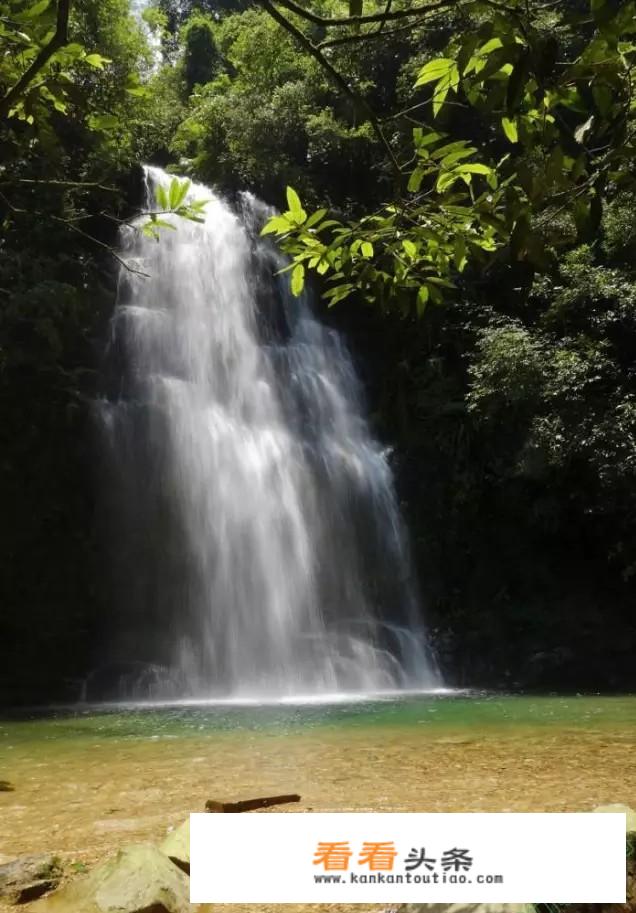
58	40
461	207
339	80
387	15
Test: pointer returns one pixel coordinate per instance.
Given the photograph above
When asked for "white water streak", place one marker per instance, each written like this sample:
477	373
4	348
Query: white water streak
297	575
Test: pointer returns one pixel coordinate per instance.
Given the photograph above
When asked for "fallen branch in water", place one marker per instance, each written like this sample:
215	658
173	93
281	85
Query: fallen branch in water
249	805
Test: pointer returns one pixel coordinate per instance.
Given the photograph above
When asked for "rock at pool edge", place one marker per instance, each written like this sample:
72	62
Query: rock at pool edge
138	878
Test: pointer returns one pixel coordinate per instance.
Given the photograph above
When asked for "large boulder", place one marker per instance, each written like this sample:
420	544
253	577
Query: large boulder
177	846
629	813
28	877
139	879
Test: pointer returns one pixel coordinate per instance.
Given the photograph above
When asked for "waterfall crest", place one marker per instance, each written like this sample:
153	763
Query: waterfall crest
259	546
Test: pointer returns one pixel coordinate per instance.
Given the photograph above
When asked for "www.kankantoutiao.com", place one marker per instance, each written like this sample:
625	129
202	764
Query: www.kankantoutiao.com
407	878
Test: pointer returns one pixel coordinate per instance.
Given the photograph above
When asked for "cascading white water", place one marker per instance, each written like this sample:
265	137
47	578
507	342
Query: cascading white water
260	537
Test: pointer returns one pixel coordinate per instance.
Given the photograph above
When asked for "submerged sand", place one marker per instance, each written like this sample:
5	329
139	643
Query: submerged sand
83	798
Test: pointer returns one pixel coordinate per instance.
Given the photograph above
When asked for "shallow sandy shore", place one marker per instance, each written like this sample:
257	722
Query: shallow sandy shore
83	799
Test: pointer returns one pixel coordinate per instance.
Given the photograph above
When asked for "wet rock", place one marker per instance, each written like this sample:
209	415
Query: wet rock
176	846
625	809
139	879
26	878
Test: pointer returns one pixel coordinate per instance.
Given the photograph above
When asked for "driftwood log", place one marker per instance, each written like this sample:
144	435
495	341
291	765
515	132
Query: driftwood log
249	805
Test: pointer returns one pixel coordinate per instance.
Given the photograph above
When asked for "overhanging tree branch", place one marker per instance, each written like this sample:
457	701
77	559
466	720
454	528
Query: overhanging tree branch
59	39
387	10
358	37
113	253
386	16
45	182
334	75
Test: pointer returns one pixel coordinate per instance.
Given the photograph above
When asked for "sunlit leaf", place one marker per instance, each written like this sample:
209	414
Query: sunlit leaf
103	121
162	198
410	248
178	192
96	61
415	180
510	129
459	253
293	200
475	168
422	299
298	279
36	10
315	218
435	70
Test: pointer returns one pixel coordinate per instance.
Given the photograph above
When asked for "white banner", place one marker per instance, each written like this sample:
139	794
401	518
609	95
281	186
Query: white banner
394	858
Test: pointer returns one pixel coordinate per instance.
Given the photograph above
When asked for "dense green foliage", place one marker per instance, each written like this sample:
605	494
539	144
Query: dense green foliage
557	87
55	297
463	194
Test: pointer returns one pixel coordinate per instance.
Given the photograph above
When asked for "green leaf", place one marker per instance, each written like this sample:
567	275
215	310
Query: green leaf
435	70
315	217
338	293
446	150
474	169
422	299
422	139
446	179
457	156
276	225
510	129
450	80
443	283
439	97
366	248
35	10
477	62
293	200
103	121
286	269
96	61
459	253
298	279
415	180
162	223
410	249
73	51
330	223
490	46
134	86
150	231
178	192
162	198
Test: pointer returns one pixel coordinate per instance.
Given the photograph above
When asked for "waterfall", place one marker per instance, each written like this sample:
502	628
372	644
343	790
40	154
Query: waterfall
257	541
